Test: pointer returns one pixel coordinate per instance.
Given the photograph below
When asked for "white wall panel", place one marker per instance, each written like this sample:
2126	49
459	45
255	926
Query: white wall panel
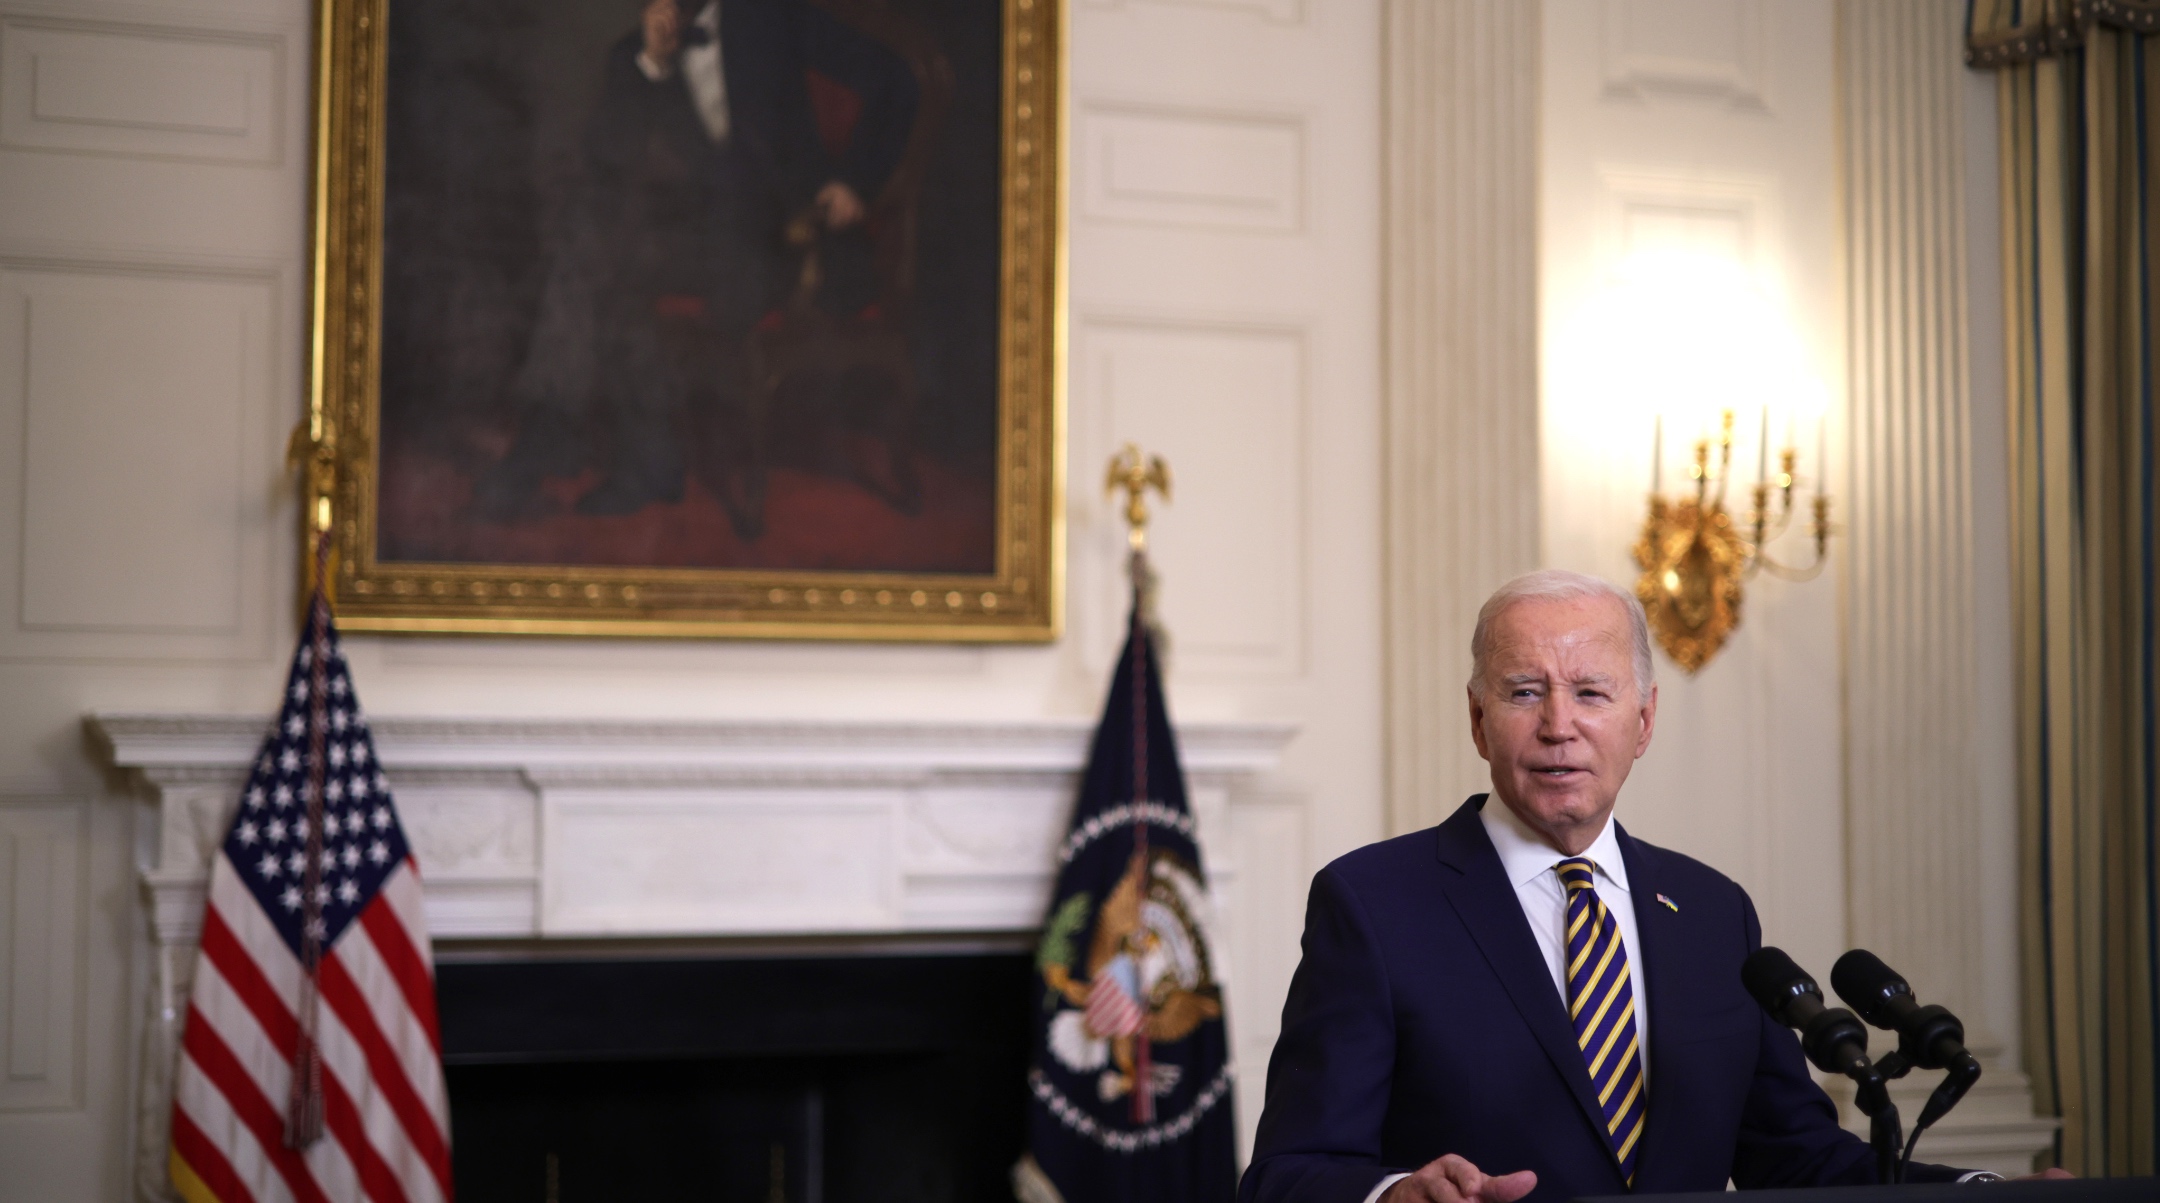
140	405
1228	171
1707	48
43	928
1289	12
1692	212
140	91
639	864
1225	403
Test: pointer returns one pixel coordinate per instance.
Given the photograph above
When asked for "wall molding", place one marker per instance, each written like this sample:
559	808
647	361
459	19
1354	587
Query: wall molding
45	921
1738	80
473	792
1274	12
1285	652
250	293
1226	171
50	69
1460	321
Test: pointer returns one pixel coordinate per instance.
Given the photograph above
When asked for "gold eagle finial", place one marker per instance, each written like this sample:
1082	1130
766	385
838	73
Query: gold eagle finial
1136	474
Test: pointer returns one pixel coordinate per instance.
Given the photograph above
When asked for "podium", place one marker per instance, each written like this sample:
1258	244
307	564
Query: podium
2074	1190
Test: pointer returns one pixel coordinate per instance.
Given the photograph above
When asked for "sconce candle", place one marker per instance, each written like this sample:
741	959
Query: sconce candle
1822	454
1657	455
1762	450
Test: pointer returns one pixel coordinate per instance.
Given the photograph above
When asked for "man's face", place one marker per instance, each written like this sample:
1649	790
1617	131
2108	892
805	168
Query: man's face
1557	715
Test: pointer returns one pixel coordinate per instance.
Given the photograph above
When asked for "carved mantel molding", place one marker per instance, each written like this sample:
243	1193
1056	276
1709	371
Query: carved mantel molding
545	827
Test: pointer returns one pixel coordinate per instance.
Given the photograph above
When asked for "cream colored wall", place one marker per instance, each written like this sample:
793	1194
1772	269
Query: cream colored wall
1847	756
1704	124
1225	310
1224	292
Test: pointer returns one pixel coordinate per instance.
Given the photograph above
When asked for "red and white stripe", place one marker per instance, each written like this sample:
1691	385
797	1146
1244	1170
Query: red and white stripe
1111	1011
386	1130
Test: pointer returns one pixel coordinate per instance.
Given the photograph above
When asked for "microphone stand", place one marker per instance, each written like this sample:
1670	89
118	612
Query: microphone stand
1959	1078
1885	1129
1928	1037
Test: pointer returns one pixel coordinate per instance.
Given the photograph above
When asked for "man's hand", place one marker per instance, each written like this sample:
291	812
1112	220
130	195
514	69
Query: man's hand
2049	1174
839	206
1453	1180
663	34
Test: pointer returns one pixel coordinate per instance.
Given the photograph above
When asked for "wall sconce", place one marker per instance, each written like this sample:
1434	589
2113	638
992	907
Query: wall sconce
1694	557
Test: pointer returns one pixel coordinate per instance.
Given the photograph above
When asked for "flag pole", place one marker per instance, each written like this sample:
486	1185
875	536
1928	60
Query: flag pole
1143	1092
1136	474
304	1110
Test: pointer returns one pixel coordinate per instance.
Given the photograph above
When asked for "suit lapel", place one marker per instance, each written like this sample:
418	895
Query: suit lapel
1481	894
1655	931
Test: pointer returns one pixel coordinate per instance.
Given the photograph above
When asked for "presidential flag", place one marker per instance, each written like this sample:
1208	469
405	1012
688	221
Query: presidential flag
310	1066
1131	1079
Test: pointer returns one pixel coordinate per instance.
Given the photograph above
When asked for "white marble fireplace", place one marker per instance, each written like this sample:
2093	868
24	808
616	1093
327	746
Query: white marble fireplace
721	833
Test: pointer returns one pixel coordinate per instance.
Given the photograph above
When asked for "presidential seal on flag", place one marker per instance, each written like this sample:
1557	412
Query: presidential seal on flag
1145	974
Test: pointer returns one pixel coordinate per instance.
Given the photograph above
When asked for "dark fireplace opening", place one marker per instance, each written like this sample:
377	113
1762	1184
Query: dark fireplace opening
814	1079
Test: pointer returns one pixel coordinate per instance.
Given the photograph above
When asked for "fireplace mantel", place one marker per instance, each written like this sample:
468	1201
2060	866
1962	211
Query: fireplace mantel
567	832
600	828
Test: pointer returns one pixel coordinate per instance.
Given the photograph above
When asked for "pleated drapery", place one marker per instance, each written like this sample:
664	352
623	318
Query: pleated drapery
2079	96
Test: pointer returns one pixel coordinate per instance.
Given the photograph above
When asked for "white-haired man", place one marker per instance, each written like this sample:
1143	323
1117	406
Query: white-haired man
1478	1004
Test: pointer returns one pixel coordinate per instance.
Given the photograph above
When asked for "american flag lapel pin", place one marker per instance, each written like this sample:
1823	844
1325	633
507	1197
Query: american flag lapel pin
1670	905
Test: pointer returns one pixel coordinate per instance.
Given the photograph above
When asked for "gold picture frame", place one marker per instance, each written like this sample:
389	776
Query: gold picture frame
1019	597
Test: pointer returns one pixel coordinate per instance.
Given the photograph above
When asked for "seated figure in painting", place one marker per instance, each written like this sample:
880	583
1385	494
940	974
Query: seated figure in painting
707	172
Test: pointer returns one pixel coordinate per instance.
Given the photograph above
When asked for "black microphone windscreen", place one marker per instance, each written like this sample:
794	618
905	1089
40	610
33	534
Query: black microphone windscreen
1864	982
1769	975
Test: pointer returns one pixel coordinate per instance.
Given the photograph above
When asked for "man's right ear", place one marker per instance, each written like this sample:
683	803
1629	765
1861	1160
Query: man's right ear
1477	720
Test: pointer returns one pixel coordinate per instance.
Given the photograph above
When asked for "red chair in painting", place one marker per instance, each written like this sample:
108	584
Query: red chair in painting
862	356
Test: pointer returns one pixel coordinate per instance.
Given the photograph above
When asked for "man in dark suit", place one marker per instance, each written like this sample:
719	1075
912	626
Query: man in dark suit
707	174
1527	1002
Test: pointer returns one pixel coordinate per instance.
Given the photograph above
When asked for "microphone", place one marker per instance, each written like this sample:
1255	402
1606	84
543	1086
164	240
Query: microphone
1830	1036
1929	1037
1832	1039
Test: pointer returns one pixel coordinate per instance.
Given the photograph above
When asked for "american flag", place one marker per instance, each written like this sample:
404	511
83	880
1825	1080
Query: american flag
322	1085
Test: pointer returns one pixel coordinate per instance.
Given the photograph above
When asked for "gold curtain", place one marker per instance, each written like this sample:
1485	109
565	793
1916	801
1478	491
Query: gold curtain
2079	96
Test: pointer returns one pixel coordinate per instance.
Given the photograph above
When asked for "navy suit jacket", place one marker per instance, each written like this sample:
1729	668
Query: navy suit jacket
1423	1021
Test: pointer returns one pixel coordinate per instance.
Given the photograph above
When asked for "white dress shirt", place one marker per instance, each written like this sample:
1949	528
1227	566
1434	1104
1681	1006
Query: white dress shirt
702	73
1528	862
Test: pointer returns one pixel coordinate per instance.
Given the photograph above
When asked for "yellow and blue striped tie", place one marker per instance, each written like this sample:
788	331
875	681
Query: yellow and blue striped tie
1601	1001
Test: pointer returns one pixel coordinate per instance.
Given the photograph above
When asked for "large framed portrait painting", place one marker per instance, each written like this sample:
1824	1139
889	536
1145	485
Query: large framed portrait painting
689	317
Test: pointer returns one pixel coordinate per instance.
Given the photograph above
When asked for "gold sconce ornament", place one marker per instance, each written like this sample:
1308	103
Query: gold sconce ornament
1694	556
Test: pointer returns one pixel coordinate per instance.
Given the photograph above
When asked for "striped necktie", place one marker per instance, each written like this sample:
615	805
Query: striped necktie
1601	1001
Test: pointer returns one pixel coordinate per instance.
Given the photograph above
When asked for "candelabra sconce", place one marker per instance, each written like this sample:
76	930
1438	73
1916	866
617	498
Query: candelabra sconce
1694	555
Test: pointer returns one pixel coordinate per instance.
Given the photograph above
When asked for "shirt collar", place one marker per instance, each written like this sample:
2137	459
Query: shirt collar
709	17
1524	854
